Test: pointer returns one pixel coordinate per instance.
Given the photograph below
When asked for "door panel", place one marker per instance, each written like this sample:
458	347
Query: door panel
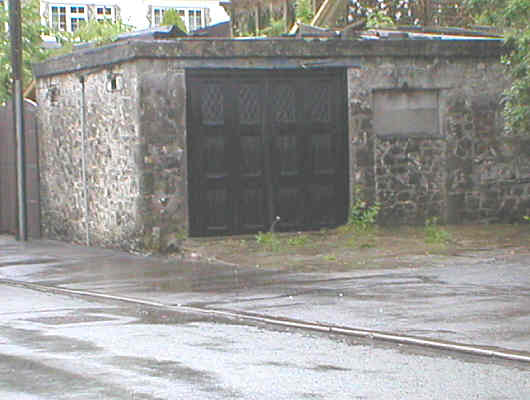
266	144
290	206
217	219
322	154
320	196
252	209
251	213
211	203
288	157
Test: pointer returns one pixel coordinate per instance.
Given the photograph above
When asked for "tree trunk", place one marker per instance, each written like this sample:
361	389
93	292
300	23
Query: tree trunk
427	13
256	16
286	14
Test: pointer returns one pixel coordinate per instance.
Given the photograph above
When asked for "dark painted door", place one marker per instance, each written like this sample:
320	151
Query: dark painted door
266	144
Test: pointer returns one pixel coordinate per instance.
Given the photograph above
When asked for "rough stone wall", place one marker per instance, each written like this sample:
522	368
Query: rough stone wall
410	179
162	95
112	149
469	172
136	147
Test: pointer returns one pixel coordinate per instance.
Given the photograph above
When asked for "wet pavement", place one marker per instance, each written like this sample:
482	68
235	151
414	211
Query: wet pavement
161	345
62	347
481	299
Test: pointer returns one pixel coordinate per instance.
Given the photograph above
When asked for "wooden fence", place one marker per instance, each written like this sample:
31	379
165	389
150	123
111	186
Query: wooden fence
8	171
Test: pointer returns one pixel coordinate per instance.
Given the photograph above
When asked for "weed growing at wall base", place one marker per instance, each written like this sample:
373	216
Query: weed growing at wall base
330	257
298	240
362	216
269	240
434	234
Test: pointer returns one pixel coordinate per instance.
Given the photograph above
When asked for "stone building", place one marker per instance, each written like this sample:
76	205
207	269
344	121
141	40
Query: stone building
221	136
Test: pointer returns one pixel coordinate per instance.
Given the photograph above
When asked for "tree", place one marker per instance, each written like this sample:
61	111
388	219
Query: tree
94	31
171	17
414	12
100	32
304	11
32	43
271	16
513	17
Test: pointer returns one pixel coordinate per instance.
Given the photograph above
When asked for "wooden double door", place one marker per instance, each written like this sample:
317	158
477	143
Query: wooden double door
263	145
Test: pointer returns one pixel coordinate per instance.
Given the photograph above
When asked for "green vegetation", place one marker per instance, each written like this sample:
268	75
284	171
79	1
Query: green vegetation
273	242
330	257
97	32
269	241
434	234
31	40
298	240
513	18
171	17
378	19
342	249
362	215
276	28
304	11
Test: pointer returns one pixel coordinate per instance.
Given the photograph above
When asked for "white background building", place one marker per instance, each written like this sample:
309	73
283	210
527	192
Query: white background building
66	15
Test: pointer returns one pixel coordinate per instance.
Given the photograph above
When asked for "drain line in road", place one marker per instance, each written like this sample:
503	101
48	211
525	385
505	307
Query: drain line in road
290	323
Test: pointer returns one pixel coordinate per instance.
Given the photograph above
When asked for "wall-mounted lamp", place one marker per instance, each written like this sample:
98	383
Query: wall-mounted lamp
114	82
52	94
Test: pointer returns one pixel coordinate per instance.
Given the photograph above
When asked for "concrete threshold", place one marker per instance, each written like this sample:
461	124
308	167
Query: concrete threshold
481	351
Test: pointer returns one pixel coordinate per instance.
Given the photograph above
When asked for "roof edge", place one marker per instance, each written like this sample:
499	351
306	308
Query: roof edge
260	49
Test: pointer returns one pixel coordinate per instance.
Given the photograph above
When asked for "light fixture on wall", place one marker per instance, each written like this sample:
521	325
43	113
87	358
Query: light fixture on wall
52	94
114	82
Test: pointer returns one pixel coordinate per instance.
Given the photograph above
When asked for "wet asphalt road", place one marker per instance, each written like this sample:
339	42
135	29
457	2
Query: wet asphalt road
54	346
62	347
481	299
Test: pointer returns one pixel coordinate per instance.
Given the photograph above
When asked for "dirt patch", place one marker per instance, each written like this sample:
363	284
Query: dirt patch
346	248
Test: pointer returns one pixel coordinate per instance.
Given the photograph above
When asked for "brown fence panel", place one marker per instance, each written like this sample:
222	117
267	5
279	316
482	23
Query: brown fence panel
8	186
8	193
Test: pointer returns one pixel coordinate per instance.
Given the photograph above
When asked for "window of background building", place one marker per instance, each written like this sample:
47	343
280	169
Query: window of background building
67	18
77	17
193	18
105	13
58	17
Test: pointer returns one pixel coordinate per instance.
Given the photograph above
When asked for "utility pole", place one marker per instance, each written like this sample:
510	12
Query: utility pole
15	33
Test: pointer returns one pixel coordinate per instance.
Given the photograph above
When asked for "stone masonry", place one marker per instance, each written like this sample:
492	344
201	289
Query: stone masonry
461	169
112	149
468	172
135	157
